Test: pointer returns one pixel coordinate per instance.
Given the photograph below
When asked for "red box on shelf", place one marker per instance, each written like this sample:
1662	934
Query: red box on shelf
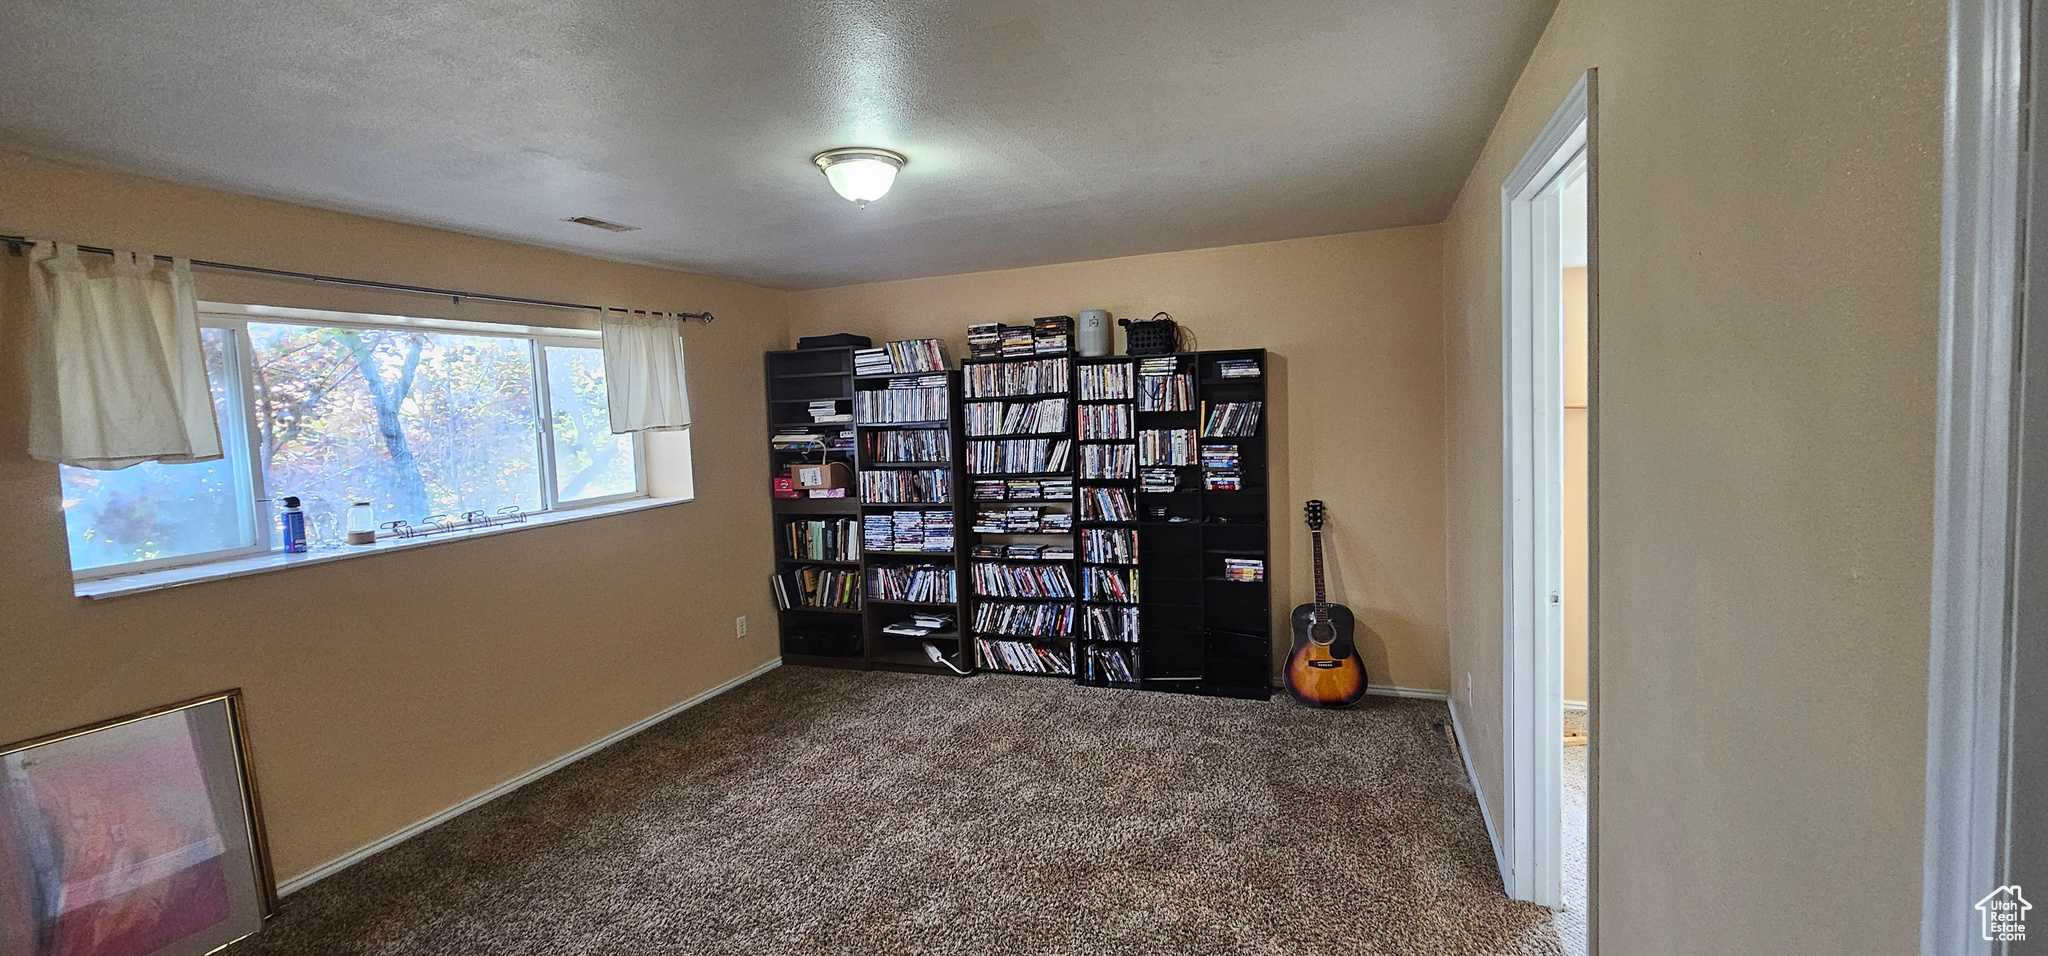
786	488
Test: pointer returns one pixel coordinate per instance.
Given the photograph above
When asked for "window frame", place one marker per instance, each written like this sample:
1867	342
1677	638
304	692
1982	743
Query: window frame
239	439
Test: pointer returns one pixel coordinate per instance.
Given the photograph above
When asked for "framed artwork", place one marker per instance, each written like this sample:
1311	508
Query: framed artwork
140	836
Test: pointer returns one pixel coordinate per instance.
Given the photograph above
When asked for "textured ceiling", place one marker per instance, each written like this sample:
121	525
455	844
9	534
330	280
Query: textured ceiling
1038	130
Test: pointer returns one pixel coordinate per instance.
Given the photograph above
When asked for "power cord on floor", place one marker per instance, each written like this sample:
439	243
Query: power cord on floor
931	650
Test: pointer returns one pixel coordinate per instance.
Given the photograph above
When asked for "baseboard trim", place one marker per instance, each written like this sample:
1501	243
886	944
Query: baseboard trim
357	855
1417	693
1576	705
1492	834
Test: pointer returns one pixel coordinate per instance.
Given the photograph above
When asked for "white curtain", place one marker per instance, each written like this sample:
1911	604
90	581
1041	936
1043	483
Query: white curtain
116	373
643	370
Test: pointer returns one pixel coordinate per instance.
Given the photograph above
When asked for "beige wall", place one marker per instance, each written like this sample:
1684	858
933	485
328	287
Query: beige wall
1353	325
1766	213
1577	598
387	688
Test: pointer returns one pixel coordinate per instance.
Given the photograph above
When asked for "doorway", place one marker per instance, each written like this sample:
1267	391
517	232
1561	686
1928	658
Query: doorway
1548	386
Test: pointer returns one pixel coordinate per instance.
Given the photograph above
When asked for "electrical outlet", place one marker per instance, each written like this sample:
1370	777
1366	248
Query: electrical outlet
739	624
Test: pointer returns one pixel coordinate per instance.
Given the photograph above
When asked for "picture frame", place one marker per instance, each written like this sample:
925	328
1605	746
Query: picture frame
137	836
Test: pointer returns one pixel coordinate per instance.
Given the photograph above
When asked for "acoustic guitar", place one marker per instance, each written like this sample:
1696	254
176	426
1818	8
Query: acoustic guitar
1323	670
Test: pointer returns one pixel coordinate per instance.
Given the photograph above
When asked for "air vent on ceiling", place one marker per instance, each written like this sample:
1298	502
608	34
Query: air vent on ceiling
601	224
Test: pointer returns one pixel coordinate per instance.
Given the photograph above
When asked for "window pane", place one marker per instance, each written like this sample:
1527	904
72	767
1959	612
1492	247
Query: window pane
416	423
590	461
151	512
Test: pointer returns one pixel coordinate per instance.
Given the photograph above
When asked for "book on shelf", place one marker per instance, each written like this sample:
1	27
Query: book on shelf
921	624
1018	455
1106	382
1166	446
1031	581
933	583
1034	620
1232	420
900	406
1025	658
1244	569
1113	664
1109	545
913	446
1110	584
1111	623
1105	422
988	419
822	539
1012	379
829	588
907	356
907	486
1107	504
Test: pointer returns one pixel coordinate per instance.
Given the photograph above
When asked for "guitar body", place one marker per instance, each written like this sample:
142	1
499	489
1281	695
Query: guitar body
1325	671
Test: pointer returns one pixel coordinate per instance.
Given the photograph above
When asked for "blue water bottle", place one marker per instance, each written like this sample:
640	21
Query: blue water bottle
294	525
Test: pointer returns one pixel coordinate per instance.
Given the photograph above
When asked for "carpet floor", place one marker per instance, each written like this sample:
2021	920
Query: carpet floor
836	812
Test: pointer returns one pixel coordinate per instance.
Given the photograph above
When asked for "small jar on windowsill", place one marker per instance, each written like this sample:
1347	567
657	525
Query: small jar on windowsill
362	524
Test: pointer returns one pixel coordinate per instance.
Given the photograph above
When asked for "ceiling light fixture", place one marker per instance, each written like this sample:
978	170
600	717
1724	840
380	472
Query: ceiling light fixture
860	173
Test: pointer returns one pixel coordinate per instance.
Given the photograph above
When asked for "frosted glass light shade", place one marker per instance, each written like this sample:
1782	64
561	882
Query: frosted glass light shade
861	174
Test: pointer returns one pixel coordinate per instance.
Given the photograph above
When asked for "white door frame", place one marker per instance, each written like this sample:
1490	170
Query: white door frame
1532	468
1974	637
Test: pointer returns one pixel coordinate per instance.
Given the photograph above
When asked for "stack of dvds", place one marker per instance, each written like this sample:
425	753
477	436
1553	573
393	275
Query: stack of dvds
1112	623
998	618
1244	569
1166	446
1018	456
1031	581
868	362
1104	382
1219	468
1022	658
984	340
1017	340
914	532
1232	420
1117	585
922	583
1158	481
1050	333
825	411
1109	546
906	487
1107	504
1237	368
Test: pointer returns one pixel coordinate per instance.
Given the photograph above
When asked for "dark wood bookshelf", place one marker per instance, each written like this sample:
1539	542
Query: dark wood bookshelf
896	651
1003	397
821	636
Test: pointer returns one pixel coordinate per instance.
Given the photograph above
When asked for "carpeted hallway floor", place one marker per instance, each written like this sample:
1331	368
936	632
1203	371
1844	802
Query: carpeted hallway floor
830	812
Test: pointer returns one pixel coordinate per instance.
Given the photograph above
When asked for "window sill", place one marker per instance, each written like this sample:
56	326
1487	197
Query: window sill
277	561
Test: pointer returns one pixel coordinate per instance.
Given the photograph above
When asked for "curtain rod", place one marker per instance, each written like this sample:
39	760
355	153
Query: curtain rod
14	244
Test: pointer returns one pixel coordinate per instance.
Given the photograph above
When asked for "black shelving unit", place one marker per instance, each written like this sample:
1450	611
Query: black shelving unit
1202	632
1040	387
930	445
819	636
1107	650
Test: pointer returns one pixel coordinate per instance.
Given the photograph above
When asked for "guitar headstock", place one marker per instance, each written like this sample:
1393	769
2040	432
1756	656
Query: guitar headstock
1313	511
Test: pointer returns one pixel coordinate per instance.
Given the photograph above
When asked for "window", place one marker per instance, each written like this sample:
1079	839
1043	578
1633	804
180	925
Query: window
420	420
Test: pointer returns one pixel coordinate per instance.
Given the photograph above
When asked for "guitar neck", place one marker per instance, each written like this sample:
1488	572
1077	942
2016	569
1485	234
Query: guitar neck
1316	536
